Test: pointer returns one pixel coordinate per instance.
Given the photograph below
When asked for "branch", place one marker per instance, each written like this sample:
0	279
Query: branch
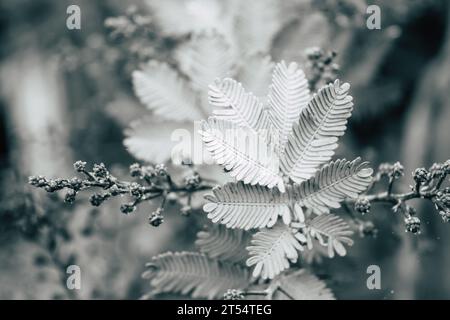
427	185
155	182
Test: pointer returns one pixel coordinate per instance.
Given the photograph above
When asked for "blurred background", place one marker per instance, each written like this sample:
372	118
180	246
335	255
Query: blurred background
67	95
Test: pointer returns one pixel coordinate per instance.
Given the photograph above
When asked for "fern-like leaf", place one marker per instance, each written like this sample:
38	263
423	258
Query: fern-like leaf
301	285
238	205
314	138
334	183
272	249
331	231
245	154
204	58
194	273
151	133
160	89
219	242
234	104
288	96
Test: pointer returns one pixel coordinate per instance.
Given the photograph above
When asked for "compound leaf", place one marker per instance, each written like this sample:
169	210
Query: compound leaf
219	242
237	205
288	96
244	154
334	183
314	138
195	274
336	231
301	285
204	58
272	249
160	89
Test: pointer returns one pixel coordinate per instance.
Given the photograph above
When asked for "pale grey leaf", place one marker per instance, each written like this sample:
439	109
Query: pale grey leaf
314	138
334	183
271	250
160	89
195	274
238	205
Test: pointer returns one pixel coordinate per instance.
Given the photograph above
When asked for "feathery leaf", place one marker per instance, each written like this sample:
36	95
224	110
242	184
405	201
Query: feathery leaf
235	105
245	154
160	89
288	96
194	273
334	183
314	138
271	251
237	205
219	242
204	58
302	285
148	134
335	229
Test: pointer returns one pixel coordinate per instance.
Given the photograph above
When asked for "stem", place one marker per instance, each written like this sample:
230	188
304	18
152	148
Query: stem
285	293
390	185
256	293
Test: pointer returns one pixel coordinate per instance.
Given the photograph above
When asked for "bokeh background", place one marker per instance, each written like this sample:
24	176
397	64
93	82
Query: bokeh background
67	95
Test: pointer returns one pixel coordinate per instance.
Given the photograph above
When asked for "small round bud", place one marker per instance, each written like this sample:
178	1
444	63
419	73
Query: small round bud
397	170
148	172
114	190
362	205
233	294
53	185
136	190
385	168
437	170
75	183
420	175
446	167
192	182
127	208
38	181
97	199
161	170
100	171
367	229
445	215
172	197
412	224
156	218
314	53
79	166
135	170
70	196
33	180
443	198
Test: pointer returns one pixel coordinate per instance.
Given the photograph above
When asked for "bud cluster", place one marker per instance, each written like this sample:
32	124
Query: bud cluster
392	171
362	205
322	66
129	24
234	294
